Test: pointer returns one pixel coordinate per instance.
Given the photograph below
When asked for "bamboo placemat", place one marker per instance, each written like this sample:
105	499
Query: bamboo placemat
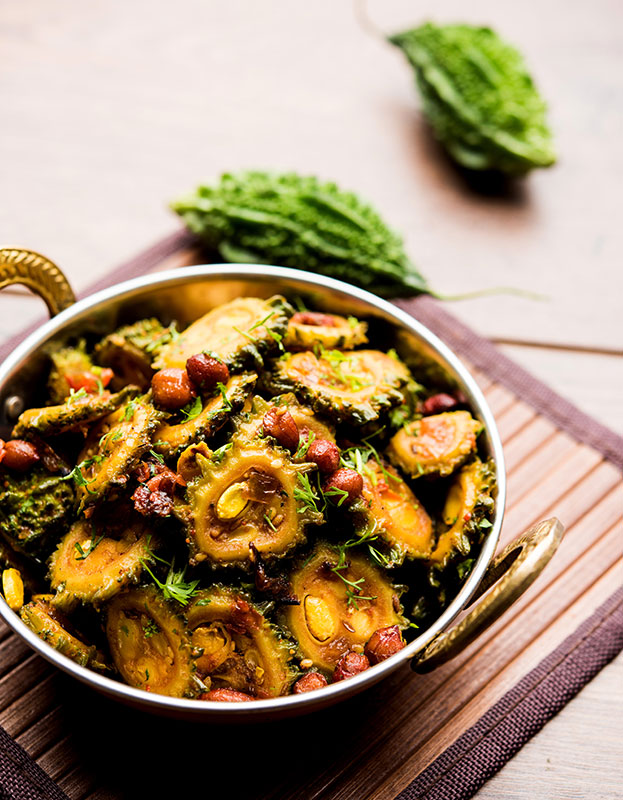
434	736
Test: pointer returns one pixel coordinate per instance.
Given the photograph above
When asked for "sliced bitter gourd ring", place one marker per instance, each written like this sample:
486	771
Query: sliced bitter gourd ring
113	449
248	495
468	503
308	330
66	360
250	422
351	387
76	411
338	610
130	350
149	643
171	439
51	625
435	445
239	333
91	567
391	510
239	649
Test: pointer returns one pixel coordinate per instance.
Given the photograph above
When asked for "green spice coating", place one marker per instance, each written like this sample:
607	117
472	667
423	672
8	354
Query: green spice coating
295	221
479	97
34	510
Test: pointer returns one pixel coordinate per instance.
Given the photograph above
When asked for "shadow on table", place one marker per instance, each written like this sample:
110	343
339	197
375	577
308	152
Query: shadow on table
432	161
130	753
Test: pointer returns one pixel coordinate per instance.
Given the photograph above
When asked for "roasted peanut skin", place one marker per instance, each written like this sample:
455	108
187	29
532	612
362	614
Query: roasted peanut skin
171	388
309	683
438	403
225	696
349	665
324	454
206	371
18	455
384	643
279	423
344	480
314	318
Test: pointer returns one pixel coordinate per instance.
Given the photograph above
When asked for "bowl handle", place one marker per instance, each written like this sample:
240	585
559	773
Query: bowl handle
512	572
37	273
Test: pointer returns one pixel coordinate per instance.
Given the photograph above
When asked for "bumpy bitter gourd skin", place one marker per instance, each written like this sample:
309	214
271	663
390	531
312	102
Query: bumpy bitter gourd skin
247	496
51	625
355	386
468	503
435	445
299	222
91	566
149	643
34	510
130	350
237	648
479	97
172	437
390	510
77	411
239	333
114	448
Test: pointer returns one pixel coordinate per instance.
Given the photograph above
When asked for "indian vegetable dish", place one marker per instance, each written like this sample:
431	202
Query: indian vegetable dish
260	504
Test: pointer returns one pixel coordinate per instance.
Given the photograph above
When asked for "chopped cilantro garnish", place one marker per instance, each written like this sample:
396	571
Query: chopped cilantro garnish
193	409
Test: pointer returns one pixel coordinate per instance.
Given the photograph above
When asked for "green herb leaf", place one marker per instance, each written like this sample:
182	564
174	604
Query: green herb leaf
82	553
174	586
193	409
305	494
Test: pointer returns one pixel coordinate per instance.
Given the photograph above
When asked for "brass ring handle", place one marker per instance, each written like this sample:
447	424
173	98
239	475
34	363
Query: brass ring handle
39	274
508	576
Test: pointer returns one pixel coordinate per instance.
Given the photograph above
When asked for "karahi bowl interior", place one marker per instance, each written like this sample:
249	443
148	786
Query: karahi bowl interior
185	294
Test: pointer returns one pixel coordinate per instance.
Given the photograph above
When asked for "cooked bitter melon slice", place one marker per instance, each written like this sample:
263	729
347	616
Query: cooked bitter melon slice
34	509
130	350
239	333
250	492
250	422
171	438
80	409
67	361
51	625
113	448
466	512
236	647
149	643
309	329
92	565
355	386
389	509
435	445
343	600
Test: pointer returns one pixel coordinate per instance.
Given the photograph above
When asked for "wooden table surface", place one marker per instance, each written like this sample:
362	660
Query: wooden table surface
112	108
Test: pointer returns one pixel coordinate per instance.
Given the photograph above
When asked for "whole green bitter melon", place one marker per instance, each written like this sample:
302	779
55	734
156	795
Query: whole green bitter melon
479	97
296	221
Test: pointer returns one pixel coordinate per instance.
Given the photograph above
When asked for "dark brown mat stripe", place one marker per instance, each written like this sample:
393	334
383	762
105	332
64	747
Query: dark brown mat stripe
449	727
504	729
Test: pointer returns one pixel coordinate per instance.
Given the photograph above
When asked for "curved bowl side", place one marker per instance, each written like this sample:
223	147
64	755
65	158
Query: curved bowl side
185	294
